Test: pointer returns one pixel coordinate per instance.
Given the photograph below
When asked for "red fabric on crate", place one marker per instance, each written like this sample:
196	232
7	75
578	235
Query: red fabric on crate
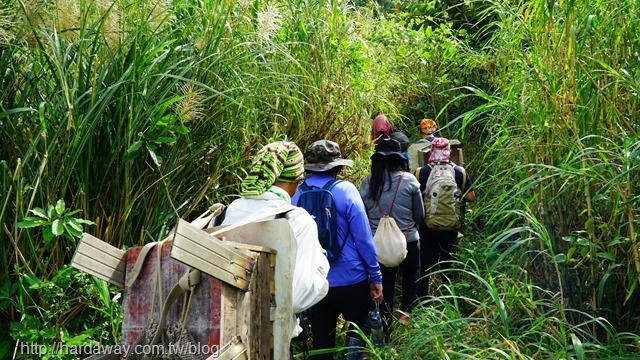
205	311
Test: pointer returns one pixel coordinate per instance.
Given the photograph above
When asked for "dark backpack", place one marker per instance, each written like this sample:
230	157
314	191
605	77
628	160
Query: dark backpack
320	205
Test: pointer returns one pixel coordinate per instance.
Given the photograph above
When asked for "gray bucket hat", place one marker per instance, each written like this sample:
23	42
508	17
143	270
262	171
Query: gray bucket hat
324	155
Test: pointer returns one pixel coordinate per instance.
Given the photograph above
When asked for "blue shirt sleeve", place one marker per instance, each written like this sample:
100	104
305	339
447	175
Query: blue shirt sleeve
357	222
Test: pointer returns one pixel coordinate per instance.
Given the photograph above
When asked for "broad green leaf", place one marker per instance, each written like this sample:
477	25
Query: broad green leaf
156	159
69	213
47	234
133	150
15	326
578	346
30	222
57	227
606	255
582	241
60	206
71	230
73	223
40	212
34	282
80	339
85	221
560	258
165	140
48	333
181	129
617	240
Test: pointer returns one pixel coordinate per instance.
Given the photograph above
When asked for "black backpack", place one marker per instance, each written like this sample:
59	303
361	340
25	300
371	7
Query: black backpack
320	205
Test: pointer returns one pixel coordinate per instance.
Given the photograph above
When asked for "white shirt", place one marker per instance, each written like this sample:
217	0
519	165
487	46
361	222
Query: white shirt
310	283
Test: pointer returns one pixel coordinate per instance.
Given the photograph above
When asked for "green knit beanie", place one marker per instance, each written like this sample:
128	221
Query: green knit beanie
277	161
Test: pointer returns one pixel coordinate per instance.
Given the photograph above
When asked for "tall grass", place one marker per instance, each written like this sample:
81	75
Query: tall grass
137	113
480	312
560	153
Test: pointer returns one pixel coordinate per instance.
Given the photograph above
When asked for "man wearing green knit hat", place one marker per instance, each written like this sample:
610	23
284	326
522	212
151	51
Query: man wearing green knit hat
279	164
271	180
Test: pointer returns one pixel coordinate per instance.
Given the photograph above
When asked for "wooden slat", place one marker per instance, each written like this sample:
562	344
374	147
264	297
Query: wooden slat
277	235
193	247
99	270
249	315
102	260
228	312
219	272
233	350
207	242
257	248
260	303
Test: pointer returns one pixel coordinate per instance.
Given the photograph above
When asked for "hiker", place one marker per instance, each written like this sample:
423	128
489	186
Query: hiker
389	190
354	278
426	129
403	139
437	245
380	127
271	180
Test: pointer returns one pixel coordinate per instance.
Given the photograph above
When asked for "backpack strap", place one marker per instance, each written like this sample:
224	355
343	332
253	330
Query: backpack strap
393	200
304	187
329	186
186	283
259	216
464	177
331	183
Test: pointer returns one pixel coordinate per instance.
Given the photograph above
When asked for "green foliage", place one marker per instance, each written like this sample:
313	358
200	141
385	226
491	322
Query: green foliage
132	114
477	312
56	323
55	221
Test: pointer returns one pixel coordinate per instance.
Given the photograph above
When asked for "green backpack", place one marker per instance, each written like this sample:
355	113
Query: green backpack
442	197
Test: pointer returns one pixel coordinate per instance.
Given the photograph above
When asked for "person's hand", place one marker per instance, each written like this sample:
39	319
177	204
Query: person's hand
376	292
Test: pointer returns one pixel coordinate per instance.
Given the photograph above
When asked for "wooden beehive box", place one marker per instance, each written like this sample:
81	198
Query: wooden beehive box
246	287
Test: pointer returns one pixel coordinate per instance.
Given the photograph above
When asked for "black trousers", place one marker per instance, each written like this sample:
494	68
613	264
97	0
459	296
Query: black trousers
410	269
352	301
436	248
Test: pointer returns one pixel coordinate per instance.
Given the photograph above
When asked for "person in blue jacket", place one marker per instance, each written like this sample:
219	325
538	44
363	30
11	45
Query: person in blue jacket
355	280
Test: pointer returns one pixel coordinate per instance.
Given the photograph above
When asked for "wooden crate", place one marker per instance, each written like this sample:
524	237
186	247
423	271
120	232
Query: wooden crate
241	308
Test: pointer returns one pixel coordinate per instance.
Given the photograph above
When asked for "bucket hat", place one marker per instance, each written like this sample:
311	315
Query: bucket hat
388	147
324	155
